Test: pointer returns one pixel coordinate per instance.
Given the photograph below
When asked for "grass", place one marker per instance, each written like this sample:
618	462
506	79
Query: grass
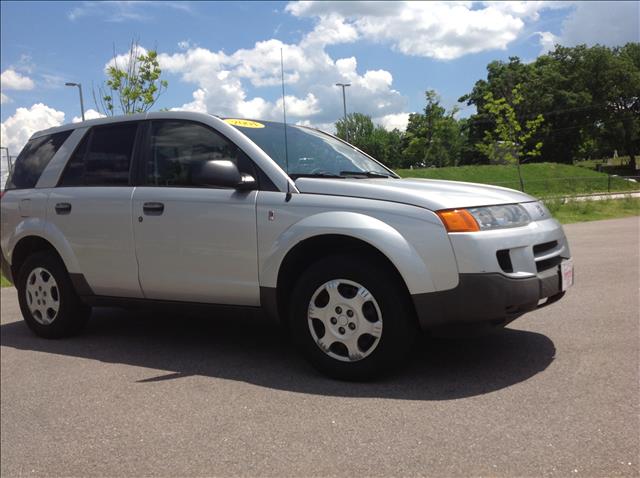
579	211
540	179
4	282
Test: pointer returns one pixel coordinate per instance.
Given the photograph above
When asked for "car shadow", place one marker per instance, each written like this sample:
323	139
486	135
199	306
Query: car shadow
248	348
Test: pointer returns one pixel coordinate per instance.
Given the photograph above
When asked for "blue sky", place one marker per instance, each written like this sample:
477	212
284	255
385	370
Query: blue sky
223	57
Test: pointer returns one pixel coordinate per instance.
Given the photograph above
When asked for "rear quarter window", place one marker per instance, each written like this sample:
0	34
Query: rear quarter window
34	158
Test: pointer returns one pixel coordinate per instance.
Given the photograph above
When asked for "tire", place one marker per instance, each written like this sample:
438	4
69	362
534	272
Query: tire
48	302
340	289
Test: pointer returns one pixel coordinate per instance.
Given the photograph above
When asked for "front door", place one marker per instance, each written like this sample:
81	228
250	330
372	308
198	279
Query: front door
193	243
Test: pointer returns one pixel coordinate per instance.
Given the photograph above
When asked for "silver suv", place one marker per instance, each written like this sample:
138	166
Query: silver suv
187	208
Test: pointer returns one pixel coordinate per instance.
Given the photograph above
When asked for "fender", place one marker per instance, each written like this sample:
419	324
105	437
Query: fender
29	226
388	240
34	226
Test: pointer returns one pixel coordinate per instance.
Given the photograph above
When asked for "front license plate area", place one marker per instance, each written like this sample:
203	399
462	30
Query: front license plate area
566	274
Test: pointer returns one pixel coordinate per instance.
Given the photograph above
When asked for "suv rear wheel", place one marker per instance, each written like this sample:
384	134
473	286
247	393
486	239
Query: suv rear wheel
48	302
351	317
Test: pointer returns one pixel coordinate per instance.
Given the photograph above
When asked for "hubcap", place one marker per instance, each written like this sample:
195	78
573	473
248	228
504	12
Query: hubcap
345	320
43	298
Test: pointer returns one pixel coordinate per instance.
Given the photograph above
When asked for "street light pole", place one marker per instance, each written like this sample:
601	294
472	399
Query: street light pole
344	106
81	102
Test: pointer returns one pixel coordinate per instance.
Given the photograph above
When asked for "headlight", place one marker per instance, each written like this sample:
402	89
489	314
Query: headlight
484	218
537	210
498	217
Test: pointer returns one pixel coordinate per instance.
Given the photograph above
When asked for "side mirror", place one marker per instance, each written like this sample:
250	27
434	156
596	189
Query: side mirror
221	173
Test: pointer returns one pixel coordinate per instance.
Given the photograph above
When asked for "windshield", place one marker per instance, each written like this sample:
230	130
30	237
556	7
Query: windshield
310	152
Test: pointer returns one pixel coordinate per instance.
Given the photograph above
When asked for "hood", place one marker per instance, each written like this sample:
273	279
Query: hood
428	193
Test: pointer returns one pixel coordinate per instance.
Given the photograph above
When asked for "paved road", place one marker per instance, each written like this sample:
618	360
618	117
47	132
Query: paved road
556	394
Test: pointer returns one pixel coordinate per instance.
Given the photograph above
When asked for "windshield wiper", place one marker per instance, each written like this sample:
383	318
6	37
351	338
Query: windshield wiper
295	176
366	174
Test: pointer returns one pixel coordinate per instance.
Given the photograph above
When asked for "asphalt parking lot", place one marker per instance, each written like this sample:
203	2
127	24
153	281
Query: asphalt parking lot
138	394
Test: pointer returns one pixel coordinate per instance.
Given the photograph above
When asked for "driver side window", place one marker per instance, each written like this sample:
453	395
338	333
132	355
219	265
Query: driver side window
178	148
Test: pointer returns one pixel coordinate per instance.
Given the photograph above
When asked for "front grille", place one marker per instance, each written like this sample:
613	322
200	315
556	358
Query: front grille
542	248
547	255
548	263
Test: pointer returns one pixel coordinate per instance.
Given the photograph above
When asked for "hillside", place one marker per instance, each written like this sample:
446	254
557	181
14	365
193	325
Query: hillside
540	179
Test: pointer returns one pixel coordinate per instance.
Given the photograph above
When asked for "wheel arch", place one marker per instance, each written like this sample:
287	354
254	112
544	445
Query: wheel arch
27	246
305	253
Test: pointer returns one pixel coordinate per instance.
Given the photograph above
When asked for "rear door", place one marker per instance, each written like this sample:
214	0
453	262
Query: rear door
91	207
193	243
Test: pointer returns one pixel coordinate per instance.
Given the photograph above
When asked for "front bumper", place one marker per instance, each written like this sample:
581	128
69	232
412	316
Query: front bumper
487	297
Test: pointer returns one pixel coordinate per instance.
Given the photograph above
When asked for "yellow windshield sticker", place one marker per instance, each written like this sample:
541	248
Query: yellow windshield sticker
244	123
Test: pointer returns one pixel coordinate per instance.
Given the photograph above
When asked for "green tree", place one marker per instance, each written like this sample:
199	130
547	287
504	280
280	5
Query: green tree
510	141
434	137
587	95
357	127
392	147
133	85
623	98
502	78
373	139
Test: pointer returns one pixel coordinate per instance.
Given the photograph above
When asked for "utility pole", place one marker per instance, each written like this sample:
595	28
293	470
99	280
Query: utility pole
81	102
344	106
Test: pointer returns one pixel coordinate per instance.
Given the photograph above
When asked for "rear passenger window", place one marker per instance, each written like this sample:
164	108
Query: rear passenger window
180	147
103	157
34	158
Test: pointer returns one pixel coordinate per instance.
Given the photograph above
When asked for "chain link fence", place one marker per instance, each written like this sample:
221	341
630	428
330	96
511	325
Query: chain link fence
569	186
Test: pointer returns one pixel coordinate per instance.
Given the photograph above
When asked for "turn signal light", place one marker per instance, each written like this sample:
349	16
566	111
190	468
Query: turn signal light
458	220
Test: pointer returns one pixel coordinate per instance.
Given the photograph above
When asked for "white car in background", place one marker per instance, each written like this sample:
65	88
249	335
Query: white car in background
187	208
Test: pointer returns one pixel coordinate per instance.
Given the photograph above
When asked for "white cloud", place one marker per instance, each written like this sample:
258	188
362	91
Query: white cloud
50	80
88	115
4	99
393	121
25	64
584	24
12	80
331	30
326	127
198	104
122	60
607	23
547	41
121	11
310	76
298	107
441	30
18	128
526	9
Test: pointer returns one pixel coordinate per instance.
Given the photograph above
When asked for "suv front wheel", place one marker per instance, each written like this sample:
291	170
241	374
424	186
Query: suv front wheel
48	302
352	318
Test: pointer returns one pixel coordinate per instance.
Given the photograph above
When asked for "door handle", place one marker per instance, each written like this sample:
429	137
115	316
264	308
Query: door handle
63	208
153	208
